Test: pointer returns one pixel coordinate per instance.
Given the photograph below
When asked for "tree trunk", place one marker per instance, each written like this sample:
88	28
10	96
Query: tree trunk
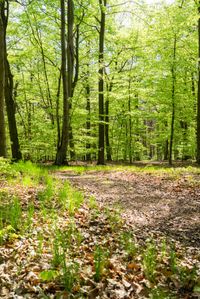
101	159
70	72
173	71
130	121
88	123
62	147
10	104
11	110
198	93
2	84
107	120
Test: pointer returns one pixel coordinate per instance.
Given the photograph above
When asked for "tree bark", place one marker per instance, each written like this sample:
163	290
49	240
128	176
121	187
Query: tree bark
88	123
173	71
2	84
62	147
101	149
130	121
11	111
10	104
198	92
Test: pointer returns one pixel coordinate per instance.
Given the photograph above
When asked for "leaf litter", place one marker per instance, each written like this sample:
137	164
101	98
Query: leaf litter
134	235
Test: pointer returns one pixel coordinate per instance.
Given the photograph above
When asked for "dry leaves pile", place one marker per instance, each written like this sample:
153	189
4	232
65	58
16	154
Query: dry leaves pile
65	246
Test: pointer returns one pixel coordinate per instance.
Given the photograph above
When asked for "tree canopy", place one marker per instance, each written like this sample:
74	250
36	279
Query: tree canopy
131	77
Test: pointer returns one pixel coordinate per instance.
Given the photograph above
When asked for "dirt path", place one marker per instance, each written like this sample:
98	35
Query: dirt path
151	204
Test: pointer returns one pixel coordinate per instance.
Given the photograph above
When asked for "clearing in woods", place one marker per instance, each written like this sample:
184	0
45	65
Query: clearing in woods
162	201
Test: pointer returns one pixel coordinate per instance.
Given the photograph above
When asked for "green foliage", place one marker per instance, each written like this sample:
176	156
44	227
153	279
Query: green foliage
70	274
6	169
114	218
128	244
150	260
173	259
11	214
159	293
30	215
7	233
100	262
46	195
49	275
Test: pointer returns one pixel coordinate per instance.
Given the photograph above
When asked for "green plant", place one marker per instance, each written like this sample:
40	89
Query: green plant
114	218
57	251
173	259
6	169
92	203
69	274
159	293
163	248
47	193
128	244
15	214
75	200
29	216
100	262
40	238
6	233
63	194
150	260
187	276
49	275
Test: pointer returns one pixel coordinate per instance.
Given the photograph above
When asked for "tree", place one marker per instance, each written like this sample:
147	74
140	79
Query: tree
198	92
10	105
66	80
2	84
101	161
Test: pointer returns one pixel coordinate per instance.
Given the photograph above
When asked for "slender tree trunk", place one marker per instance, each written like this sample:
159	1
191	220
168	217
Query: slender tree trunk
107	120
62	147
166	149
70	66
194	94
173	71
2	84
101	149
198	92
88	121
57	110
130	121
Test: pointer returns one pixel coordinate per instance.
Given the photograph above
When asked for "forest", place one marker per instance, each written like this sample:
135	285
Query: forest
100	149
100	81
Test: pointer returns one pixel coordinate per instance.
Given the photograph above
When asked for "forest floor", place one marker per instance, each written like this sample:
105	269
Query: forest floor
129	232
167	203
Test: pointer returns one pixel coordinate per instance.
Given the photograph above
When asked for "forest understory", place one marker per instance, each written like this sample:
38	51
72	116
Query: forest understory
150	203
99	232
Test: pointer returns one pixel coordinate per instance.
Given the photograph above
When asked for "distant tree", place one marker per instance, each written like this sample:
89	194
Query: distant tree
2	84
198	93
101	149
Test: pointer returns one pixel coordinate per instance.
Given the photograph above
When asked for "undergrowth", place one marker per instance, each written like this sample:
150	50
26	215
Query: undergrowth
84	244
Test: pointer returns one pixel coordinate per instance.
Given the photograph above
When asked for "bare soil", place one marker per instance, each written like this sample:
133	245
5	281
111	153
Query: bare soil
151	204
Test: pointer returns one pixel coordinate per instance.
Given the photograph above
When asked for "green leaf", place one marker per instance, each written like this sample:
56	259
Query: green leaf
196	289
48	275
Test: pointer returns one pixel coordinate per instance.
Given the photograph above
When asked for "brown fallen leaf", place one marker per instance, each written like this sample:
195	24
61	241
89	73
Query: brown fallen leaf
133	267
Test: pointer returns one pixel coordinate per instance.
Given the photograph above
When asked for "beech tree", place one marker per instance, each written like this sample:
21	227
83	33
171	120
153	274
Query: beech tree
66	78
101	149
2	83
